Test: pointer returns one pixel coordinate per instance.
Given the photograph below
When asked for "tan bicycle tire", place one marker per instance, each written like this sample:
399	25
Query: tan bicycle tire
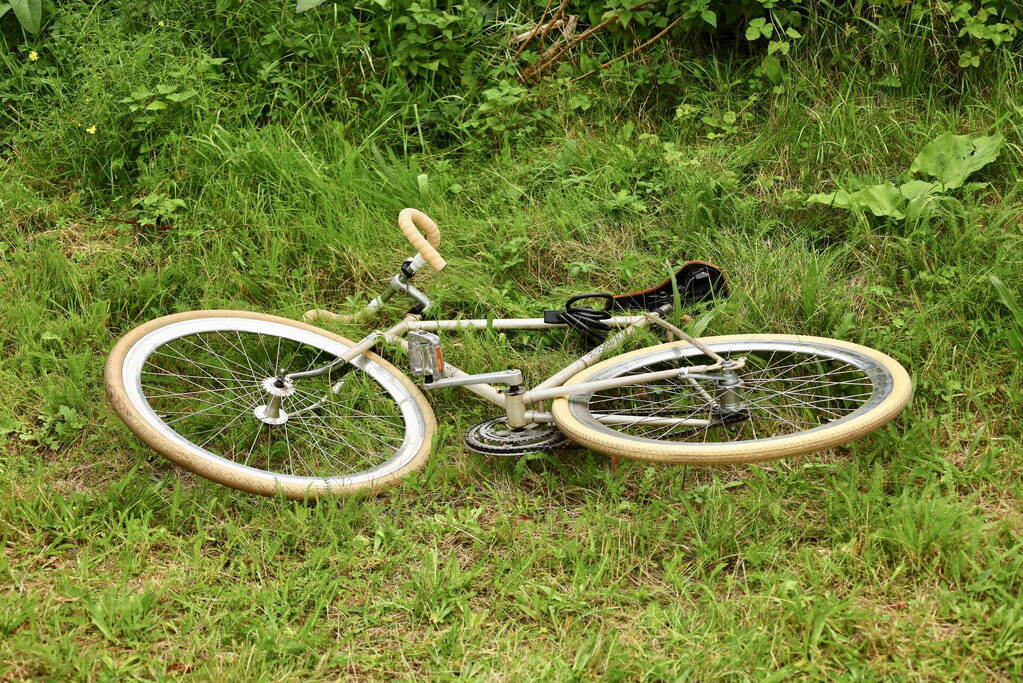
739	452
123	407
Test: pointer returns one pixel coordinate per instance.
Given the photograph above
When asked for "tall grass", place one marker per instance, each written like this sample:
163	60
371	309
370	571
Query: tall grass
896	556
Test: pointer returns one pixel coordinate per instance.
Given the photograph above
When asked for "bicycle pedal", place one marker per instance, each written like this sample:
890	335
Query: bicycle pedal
424	354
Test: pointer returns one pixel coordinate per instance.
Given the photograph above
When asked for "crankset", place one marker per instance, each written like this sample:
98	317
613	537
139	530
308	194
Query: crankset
495	437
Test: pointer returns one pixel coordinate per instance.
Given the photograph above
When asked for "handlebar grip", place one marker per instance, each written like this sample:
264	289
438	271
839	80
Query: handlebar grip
410	221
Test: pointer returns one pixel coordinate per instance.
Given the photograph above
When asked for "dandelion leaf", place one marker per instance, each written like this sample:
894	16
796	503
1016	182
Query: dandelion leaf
839	199
951	158
29	13
880	200
917	189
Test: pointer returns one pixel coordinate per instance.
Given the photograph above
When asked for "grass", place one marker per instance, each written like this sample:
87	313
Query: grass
897	556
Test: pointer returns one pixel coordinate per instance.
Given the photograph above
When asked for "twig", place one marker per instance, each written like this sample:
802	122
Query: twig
558	16
657	37
555	21
541	66
536	28
519	37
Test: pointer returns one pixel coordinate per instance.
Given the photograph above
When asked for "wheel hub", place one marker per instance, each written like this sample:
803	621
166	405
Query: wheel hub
279	388
262	413
729	400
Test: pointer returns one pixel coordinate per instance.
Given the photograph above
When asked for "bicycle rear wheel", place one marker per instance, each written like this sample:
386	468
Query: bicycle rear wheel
795	395
200	388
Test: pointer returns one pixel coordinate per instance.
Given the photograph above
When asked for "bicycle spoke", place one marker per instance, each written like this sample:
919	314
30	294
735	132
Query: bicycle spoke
211	402
779	392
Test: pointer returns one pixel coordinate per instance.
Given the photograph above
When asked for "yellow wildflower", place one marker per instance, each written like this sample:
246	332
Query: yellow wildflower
160	23
91	130
33	56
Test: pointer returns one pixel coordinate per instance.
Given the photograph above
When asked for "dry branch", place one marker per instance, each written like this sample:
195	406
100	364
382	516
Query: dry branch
529	36
631	52
544	63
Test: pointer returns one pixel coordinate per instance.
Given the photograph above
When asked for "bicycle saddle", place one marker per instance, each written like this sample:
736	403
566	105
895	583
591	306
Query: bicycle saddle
696	281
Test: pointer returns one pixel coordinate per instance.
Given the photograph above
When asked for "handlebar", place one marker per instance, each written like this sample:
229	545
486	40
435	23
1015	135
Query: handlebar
410	221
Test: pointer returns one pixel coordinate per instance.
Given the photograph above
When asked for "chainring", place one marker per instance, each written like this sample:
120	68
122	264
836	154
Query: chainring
495	437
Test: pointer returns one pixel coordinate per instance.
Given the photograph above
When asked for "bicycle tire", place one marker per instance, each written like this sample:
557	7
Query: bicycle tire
131	354
890	384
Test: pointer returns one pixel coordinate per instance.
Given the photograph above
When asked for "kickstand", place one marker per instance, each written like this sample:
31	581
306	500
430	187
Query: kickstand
614	464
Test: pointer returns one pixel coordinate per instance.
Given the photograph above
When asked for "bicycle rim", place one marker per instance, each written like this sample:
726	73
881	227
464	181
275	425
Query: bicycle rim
797	394
197	387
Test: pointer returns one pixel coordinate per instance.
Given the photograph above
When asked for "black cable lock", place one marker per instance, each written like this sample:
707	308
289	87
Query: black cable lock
587	321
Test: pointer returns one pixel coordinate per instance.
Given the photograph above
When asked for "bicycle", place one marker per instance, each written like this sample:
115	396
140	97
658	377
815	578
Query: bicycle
275	406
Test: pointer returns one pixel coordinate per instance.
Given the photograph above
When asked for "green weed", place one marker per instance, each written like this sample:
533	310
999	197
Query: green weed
158	159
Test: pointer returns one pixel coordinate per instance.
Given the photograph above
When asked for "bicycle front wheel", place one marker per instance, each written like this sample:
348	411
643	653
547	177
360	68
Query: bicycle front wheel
210	391
794	395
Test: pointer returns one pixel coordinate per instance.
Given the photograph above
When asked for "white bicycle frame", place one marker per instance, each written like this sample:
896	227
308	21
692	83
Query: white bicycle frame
519	403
